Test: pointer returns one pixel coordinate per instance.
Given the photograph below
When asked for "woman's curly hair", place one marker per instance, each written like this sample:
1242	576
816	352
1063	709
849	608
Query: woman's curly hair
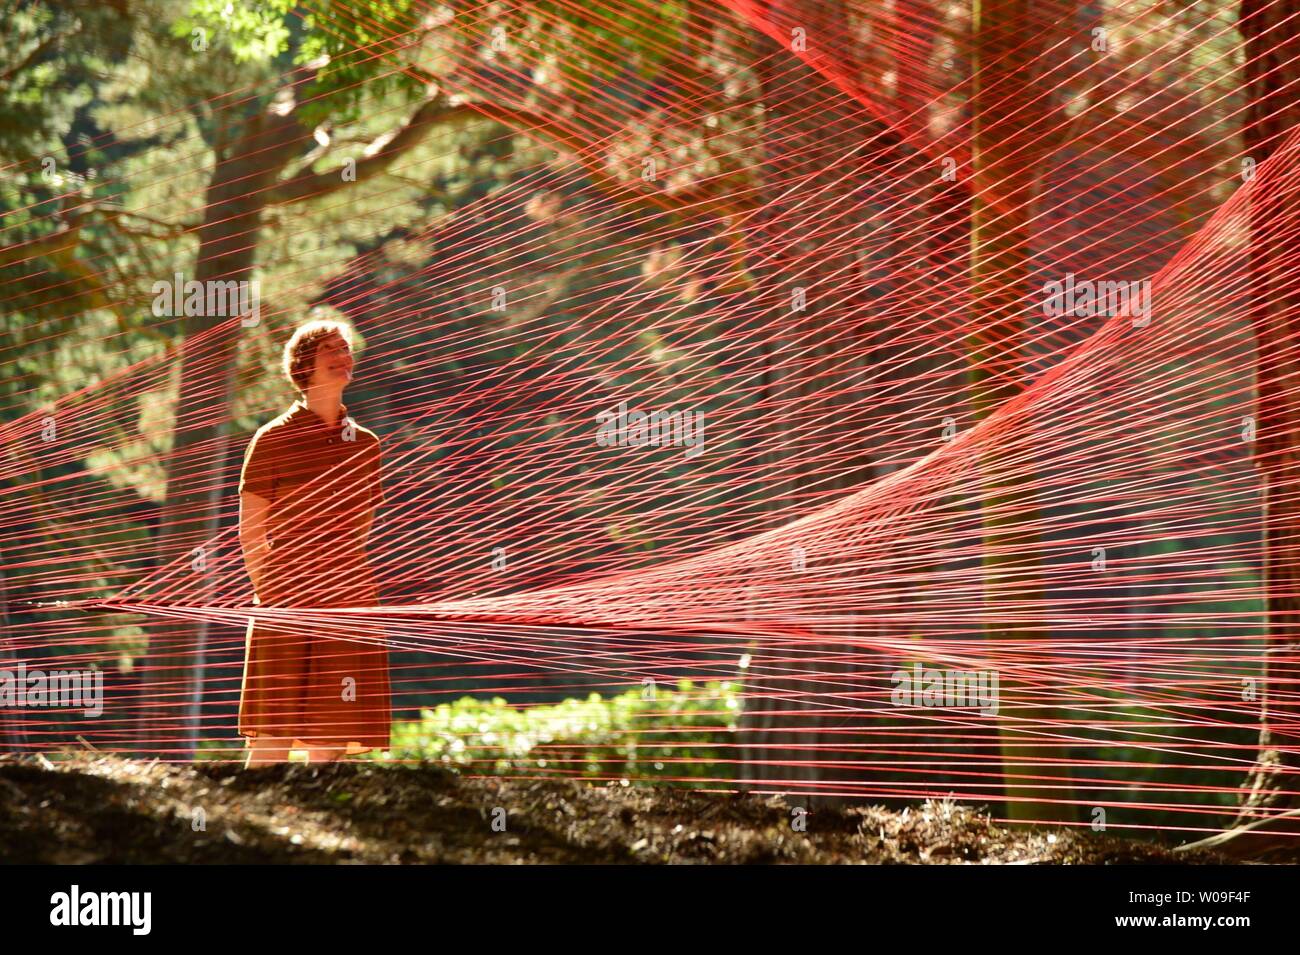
300	349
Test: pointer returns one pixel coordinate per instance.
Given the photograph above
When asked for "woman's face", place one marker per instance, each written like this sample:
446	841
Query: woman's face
333	362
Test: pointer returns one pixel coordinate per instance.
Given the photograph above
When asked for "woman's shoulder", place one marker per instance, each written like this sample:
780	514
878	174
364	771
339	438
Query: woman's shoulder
272	430
364	434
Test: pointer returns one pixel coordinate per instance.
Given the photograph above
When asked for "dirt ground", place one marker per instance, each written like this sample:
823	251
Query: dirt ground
112	810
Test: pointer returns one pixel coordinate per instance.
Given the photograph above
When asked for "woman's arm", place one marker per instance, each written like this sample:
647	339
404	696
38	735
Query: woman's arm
253	509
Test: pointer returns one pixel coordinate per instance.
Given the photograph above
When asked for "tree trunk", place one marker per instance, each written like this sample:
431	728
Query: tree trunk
13	732
197	469
797	730
1005	121
1273	84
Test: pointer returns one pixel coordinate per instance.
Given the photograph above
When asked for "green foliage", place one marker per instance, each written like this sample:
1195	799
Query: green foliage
218	750
644	734
253	32
53	55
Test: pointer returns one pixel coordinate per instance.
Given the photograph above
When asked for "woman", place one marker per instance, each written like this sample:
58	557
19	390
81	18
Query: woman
307	495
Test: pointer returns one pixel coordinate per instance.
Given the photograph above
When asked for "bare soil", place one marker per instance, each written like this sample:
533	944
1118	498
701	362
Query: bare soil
106	809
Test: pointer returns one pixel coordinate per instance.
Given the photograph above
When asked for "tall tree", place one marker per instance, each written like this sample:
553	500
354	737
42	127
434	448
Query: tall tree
1008	117
799	728
1271	29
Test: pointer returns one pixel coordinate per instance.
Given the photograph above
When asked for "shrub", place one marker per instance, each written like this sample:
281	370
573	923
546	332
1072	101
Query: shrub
642	734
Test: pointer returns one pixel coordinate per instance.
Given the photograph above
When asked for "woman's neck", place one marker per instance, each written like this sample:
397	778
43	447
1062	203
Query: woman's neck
327	404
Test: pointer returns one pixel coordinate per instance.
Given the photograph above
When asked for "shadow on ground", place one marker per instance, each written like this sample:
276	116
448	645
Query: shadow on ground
113	810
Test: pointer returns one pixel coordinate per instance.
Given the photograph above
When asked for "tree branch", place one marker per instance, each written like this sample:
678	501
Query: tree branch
36	53
66	237
376	157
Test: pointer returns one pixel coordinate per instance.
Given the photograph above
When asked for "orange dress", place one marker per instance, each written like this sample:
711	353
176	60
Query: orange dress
301	683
